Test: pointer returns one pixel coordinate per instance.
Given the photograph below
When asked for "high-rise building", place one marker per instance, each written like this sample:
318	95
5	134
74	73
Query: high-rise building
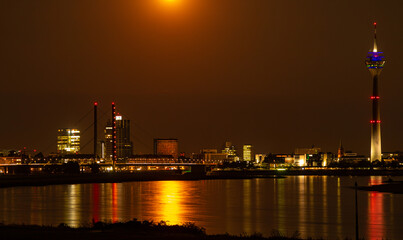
375	63
167	146
248	153
229	149
108	140
123	143
68	141
124	147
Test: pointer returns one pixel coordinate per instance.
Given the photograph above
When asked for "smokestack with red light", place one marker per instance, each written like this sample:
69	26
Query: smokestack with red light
95	130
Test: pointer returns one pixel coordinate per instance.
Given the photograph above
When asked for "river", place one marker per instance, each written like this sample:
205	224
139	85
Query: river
315	206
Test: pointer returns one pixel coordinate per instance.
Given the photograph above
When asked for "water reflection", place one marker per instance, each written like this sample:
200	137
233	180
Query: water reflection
72	204
375	180
375	211
315	206
375	216
247	198
170	202
281	216
36	204
325	224
338	207
95	202
302	202
258	204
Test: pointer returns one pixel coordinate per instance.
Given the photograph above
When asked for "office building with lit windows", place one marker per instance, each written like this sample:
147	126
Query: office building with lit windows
248	152
68	141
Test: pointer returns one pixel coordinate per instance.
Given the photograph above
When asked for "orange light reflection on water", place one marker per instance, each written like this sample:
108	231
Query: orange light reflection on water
170	202
302	202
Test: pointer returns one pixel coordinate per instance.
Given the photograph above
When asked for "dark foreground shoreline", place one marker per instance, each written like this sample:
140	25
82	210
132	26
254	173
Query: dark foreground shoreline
123	231
55	179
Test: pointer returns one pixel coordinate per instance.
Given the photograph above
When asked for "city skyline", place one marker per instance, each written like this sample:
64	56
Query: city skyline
201	119
272	84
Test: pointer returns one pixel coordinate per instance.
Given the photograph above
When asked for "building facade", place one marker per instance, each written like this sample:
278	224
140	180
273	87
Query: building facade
166	146
108	146
259	158
212	155
124	146
248	153
68	141
229	149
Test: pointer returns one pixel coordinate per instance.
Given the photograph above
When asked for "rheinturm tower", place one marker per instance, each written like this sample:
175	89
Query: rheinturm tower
375	62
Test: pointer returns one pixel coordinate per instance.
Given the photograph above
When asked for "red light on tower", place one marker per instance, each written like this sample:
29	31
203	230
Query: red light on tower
95	103
114	156
374	23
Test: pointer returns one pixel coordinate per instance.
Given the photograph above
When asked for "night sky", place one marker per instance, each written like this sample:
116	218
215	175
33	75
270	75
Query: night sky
275	74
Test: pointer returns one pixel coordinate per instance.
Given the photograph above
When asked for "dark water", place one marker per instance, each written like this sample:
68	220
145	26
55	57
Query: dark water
314	206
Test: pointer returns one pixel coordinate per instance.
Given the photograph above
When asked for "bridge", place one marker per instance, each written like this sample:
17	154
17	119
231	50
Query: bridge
19	168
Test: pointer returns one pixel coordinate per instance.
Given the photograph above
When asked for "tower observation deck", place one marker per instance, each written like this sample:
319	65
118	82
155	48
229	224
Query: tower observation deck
375	63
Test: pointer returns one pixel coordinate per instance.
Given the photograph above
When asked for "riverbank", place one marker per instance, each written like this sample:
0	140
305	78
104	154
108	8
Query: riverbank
129	230
54	179
343	172
390	187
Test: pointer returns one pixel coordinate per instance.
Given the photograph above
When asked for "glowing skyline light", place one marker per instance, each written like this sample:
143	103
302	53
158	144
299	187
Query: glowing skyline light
171	2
